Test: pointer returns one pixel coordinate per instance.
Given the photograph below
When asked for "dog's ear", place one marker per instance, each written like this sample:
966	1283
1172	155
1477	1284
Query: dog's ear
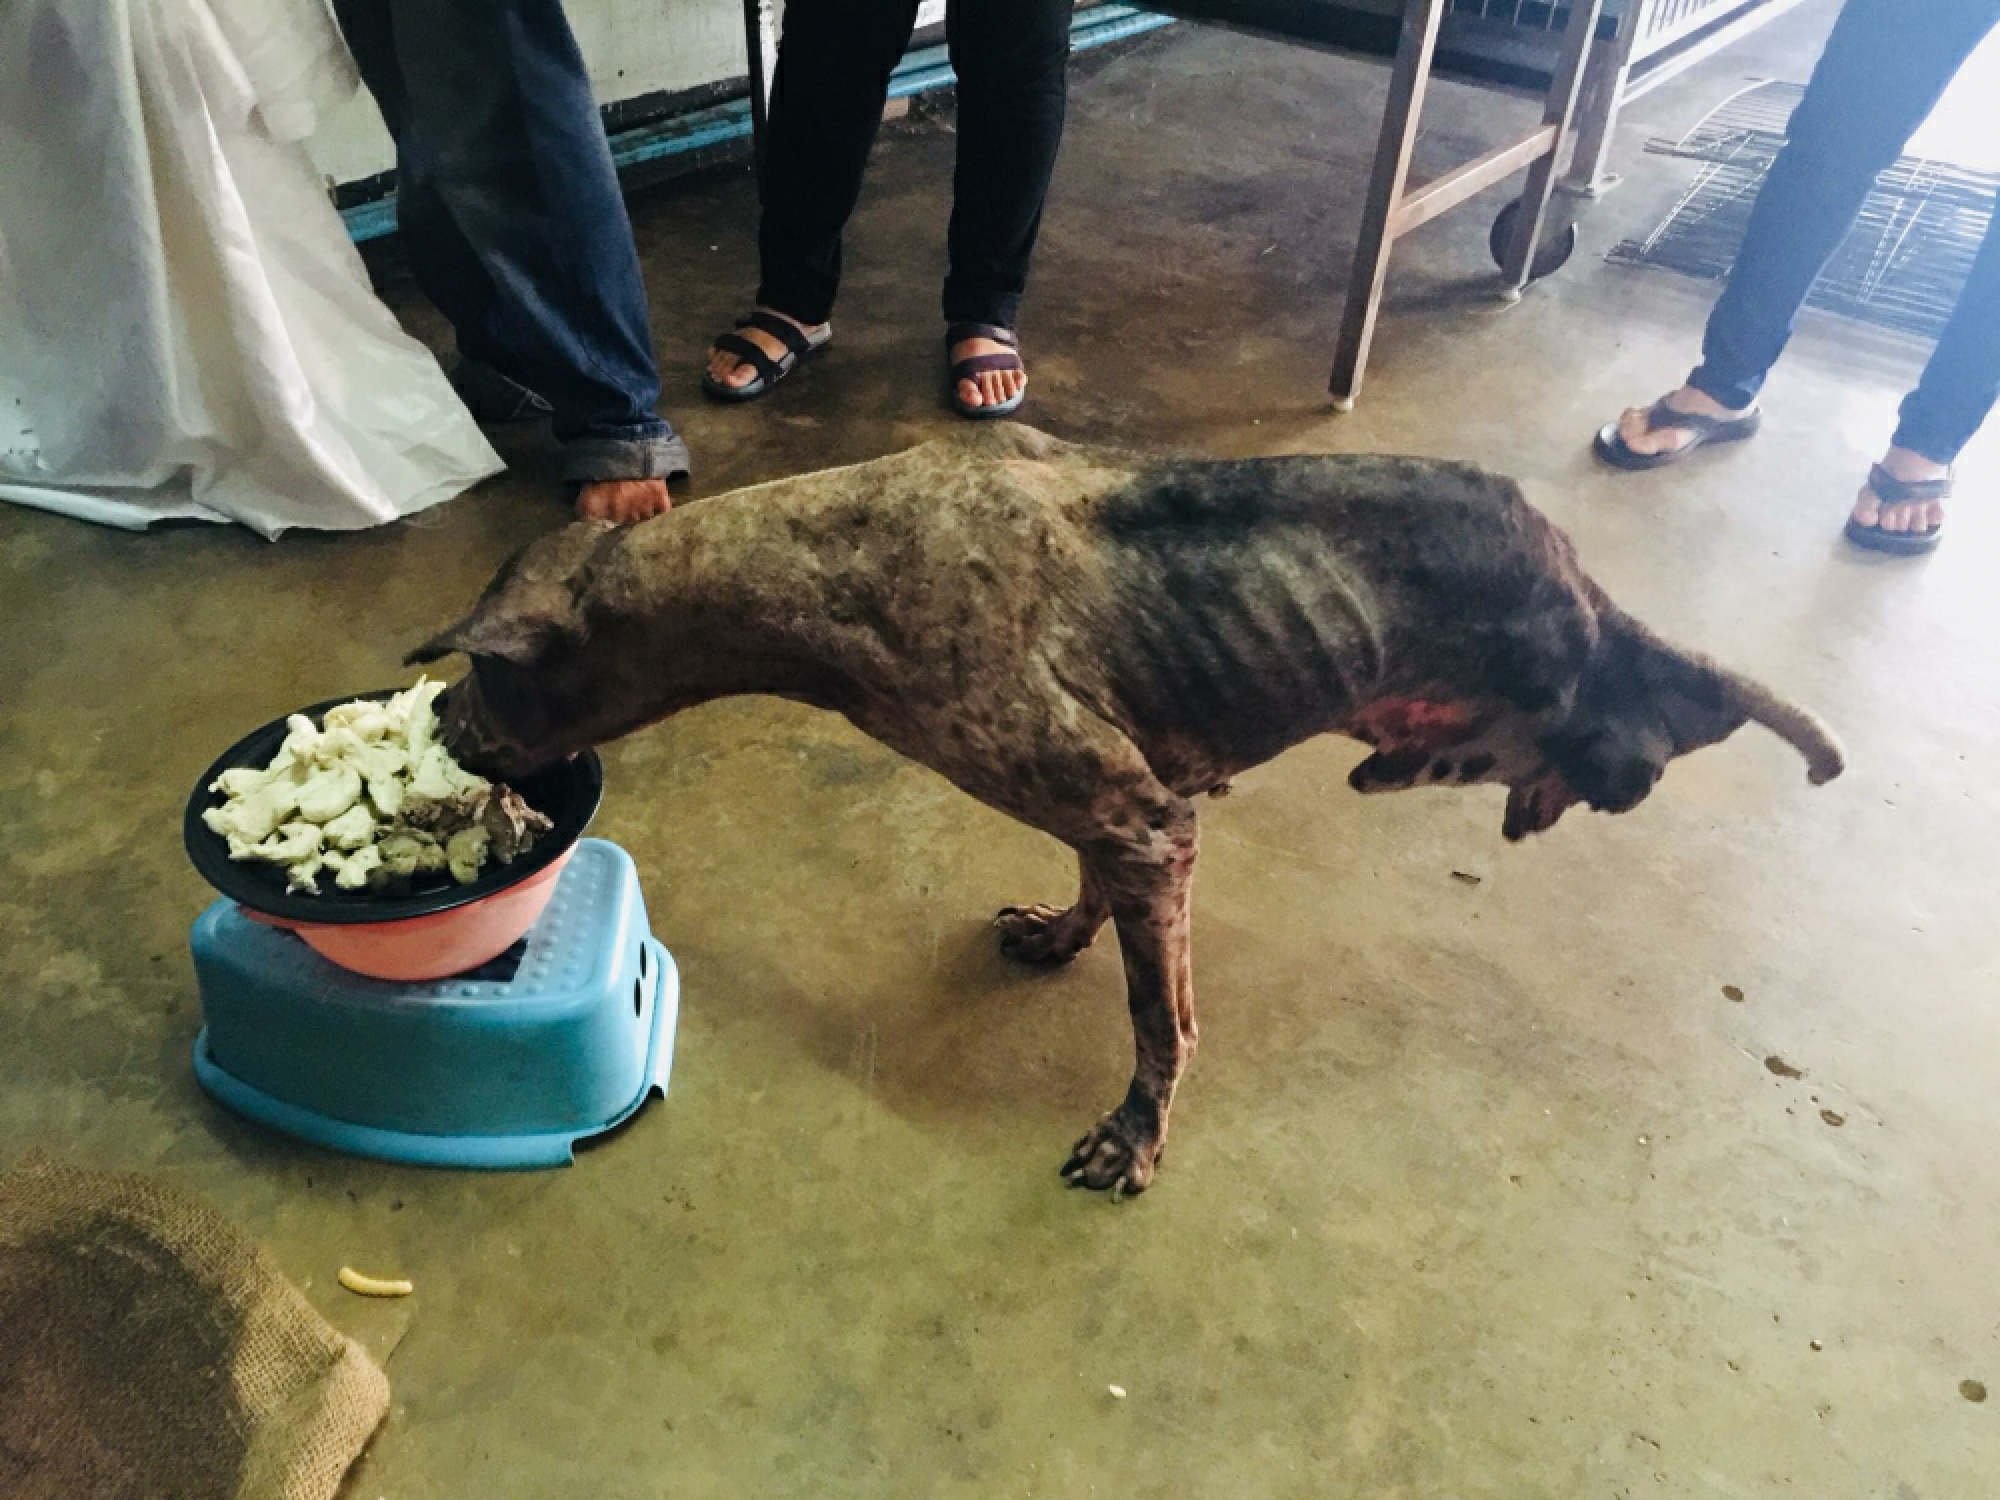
1701	703
491	630
531	603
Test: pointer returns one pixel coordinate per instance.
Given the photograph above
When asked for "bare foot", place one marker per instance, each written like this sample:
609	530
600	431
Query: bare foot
1912	515
1642	437
993	387
726	369
623	501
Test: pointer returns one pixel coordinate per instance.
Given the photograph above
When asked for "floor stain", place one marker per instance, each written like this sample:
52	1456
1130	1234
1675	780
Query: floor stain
1782	1068
1973	1391
1833	1119
1731	992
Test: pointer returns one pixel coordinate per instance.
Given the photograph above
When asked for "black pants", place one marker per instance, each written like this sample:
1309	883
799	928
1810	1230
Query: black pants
834	62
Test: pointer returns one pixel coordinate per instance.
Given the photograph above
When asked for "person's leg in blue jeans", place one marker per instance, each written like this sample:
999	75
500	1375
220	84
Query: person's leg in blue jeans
832	78
1962	381
1886	65
512	220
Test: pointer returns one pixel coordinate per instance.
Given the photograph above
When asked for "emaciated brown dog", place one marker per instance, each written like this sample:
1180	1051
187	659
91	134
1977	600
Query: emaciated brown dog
1087	640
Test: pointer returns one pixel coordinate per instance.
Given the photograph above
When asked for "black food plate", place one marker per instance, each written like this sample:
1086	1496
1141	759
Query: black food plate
568	793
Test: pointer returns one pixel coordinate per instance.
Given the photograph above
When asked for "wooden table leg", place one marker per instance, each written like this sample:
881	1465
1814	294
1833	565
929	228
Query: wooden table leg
1407	81
1605	72
1558	110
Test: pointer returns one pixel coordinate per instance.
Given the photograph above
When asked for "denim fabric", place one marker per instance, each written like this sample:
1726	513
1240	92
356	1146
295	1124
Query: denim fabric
1886	65
511	215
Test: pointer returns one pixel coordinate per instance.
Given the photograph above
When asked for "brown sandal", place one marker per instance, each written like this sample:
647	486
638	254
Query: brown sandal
973	366
798	345
1889	490
1611	446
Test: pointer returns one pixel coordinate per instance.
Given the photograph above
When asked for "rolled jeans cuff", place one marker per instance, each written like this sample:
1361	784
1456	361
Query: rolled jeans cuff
652	452
1731	395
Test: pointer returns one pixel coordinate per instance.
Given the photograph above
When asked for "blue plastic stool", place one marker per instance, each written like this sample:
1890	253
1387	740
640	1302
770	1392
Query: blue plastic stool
561	1038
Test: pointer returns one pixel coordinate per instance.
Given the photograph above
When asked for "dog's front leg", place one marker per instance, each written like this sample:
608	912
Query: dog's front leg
1149	895
1053	935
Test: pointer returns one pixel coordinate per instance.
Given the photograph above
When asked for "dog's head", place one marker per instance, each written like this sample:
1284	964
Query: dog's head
1639	704
1636	704
537	691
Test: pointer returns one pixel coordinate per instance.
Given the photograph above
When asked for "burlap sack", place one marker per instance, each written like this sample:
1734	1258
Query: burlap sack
149	1351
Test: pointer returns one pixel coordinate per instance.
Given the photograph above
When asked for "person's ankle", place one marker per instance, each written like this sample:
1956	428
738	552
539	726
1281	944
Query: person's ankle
1913	467
799	323
1692	398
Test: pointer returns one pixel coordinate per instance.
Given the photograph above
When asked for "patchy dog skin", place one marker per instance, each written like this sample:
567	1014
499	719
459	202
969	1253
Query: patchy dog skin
1087	639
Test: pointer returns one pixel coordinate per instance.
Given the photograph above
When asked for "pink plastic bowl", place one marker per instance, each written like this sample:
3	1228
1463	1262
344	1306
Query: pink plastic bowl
433	947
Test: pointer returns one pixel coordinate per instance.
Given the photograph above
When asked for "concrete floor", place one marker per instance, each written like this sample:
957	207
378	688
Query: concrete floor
1476	1191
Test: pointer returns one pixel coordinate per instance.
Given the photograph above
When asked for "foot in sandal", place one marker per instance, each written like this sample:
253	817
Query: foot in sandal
766	347
1901	508
987	376
1651	437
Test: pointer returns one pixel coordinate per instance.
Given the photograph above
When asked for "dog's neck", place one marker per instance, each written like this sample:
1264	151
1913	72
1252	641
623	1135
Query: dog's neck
721	606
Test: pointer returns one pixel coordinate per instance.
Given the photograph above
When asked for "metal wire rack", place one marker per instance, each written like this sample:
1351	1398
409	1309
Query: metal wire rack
1902	266
1525	15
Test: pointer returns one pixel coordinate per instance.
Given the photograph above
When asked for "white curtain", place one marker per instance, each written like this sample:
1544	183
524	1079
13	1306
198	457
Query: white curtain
185	329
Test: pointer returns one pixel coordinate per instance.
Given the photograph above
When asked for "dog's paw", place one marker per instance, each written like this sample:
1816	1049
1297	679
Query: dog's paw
1120	1153
1043	934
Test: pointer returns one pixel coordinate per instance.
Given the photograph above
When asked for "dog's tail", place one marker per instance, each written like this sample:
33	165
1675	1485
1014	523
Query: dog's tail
1798	727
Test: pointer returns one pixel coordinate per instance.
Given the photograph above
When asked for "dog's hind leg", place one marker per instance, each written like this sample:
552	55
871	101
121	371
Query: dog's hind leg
1050	934
1049	761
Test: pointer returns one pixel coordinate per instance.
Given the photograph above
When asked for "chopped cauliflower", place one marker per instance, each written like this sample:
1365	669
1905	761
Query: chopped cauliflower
241	781
353	829
466	853
296	841
439	779
382	767
374	797
369	720
254	815
407	854
296	846
328	793
353	870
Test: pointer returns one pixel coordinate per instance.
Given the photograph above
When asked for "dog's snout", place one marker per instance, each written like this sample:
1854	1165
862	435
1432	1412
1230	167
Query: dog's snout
463	729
